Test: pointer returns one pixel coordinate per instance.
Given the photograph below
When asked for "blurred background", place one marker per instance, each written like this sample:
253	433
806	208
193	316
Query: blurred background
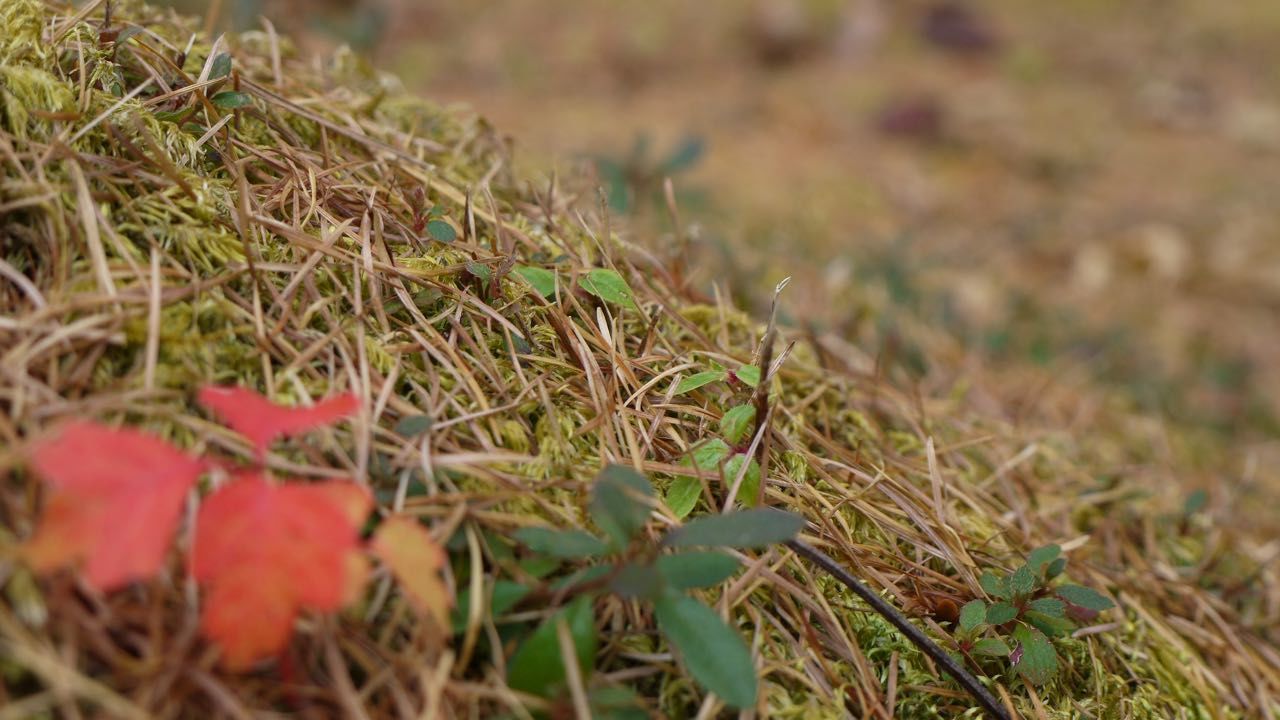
1077	194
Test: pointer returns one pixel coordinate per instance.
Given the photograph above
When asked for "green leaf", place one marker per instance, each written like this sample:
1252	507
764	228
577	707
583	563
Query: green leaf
698	569
413	425
1055	568
609	286
1049	624
1084	597
1001	613
707	456
712	651
756	528
174	116
567	544
619	503
441	231
1022	582
221	66
749	492
1195	502
736	423
638	581
994	585
1034	658
991	646
748	375
682	495
1040	557
479	270
537	667
231	100
542	280
1052	607
973	615
697	380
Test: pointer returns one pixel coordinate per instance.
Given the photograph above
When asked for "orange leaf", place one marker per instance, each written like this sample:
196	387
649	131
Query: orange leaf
415	559
115	503
267	551
262	421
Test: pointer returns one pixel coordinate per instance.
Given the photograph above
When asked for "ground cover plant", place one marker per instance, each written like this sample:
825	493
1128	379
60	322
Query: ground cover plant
180	212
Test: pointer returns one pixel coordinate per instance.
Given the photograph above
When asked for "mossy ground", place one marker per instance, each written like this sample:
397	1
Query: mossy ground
275	246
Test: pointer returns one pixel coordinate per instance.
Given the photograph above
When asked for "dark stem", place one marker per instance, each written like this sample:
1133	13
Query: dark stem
915	635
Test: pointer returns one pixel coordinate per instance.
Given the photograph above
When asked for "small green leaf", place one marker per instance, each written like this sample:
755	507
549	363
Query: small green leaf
609	286
537	667
682	495
1049	624
698	569
1022	582
638	581
619	503
1001	613
1195	502
994	585
441	231
413	425
221	66
712	651
708	455
567	544
991	646
1055	568
1040	557
479	270
174	116
756	528
973	615
1084	597
697	380
231	100
1034	658
749	492
542	280
1052	607
736	423
748	375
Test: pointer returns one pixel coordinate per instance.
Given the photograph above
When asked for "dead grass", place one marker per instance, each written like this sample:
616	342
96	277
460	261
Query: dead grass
276	248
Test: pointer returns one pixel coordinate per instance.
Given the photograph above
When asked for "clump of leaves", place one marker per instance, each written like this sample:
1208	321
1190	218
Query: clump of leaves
661	575
1026	613
264	548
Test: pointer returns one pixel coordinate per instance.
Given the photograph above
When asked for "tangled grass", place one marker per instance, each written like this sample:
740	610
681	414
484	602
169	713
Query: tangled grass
156	237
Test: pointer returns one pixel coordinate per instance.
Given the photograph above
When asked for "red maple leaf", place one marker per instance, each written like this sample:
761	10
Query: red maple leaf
262	421
267	551
115	503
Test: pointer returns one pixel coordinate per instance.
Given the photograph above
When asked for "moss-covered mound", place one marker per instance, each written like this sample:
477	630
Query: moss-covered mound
170	219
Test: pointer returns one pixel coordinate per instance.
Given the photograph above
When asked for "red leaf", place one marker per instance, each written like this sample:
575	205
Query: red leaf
415	559
115	503
267	551
262	421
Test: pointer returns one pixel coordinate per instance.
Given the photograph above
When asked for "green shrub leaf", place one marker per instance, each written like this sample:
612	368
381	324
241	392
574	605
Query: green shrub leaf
1049	624
736	423
1055	568
619	503
1052	607
1084	597
712	651
609	286
231	100
756	528
1039	558
682	495
991	646
973	615
1001	613
542	280
688	570
748	375
441	231
697	380
221	66
1022	582
413	425
1034	658
537	666
749	492
567	544
994	585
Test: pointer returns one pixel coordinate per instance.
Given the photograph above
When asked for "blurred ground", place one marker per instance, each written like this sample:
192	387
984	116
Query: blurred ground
1046	199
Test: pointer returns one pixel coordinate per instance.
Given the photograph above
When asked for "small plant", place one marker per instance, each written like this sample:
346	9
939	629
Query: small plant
659	574
263	548
1026	614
